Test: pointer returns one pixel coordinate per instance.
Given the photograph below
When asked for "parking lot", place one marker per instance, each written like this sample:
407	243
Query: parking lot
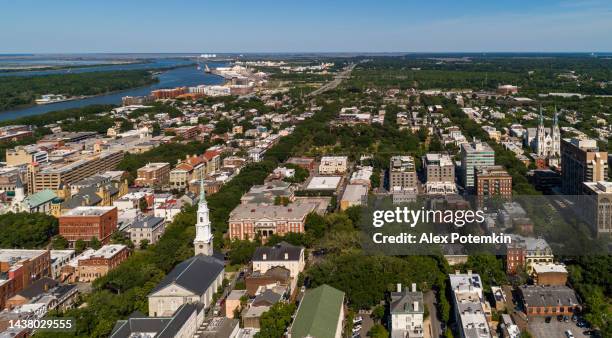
366	325
555	329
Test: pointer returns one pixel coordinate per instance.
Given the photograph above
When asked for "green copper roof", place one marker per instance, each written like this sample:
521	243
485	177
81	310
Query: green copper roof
318	313
40	198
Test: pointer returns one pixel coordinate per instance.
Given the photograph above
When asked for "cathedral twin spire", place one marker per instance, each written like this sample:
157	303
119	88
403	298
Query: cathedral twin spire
548	144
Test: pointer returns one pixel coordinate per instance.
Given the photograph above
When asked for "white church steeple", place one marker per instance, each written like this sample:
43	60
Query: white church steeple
203	242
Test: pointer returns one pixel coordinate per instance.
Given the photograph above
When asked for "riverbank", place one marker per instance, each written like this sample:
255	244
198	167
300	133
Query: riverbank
23	91
175	75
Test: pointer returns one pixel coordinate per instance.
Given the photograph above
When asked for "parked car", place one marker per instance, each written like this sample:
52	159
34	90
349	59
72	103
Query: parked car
560	318
569	334
356	328
357	320
548	319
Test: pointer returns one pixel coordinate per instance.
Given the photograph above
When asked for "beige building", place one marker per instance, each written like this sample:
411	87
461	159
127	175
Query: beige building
71	170
597	206
581	161
22	155
354	195
283	254
153	174
402	173
331	165
193	281
101	262
233	302
439	174
249	220
149	228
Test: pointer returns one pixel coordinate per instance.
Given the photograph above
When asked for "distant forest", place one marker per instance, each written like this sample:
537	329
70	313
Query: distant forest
21	90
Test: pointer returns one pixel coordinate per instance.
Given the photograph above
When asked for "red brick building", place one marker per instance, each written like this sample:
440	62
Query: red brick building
493	181
101	262
21	268
86	222
307	163
153	174
169	93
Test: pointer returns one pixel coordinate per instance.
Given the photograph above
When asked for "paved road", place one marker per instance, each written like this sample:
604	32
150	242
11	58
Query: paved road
345	74
430	301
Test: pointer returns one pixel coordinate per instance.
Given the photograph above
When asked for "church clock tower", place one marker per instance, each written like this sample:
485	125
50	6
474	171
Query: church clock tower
203	242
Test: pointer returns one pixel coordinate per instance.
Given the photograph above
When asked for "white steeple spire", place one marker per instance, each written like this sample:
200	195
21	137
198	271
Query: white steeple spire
203	241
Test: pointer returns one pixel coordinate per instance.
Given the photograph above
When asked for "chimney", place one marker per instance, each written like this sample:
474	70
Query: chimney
286	256
414	287
264	257
46	287
399	287
456	272
469	273
415	306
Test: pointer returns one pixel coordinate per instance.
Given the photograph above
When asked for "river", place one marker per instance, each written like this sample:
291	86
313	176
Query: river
183	76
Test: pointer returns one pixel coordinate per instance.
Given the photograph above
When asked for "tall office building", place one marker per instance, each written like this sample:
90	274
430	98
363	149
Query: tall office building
402	173
439	174
474	155
581	161
597	206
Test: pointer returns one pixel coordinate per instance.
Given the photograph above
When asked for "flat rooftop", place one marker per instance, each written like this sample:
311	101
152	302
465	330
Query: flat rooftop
88	211
324	183
108	251
15	255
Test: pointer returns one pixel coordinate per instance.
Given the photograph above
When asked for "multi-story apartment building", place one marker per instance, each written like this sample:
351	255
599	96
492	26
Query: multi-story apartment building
169	93
307	163
185	132
249	220
285	255
193	167
19	268
493	181
71	170
85	223
402	173
406	310
150	228
471	309
153	174
439	174
332	165
100	262
22	155
474	155
596	206
581	161
523	252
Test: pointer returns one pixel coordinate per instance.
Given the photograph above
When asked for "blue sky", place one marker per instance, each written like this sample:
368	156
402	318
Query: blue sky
63	26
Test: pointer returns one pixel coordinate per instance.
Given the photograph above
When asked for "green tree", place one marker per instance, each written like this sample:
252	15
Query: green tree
378	331
275	321
80	246
144	244
94	243
59	243
26	230
378	313
143	205
315	224
241	251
